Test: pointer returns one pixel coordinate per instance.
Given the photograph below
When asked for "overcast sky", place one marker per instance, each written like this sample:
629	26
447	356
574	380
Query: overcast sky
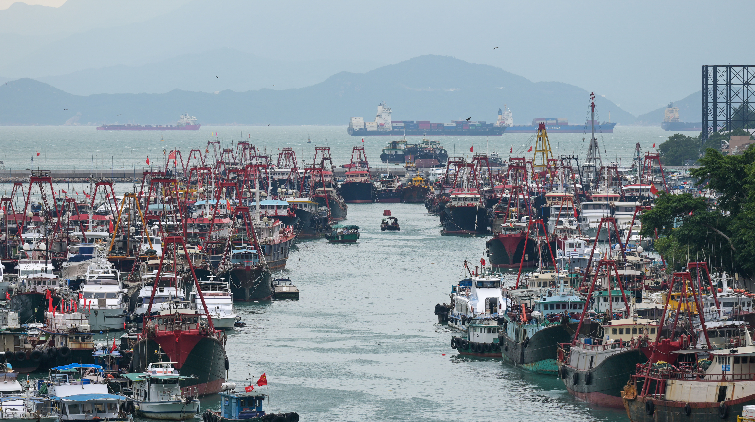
640	54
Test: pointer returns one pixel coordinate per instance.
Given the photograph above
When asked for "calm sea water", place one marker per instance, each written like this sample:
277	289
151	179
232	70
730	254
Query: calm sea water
362	343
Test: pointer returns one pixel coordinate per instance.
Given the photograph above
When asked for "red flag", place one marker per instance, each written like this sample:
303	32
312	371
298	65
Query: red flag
112	229
471	149
482	262
362	140
37	154
172	155
575	213
248	388
148	160
653	144
653	189
64	191
511	150
7	296
114	347
529	150
262	381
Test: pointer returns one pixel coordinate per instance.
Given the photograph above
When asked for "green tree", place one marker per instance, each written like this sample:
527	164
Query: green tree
678	148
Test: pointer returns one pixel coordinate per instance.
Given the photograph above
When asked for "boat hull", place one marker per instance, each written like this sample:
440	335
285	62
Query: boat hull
200	357
537	353
505	250
414	194
357	192
672	411
599	128
249	283
170	411
464	220
602	385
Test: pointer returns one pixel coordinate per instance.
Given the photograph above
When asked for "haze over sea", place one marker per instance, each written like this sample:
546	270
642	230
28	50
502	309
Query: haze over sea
362	343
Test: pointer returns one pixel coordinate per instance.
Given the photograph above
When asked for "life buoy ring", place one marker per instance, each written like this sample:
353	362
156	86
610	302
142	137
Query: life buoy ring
723	410
465	344
64	352
687	409
20	356
649	408
36	356
453	342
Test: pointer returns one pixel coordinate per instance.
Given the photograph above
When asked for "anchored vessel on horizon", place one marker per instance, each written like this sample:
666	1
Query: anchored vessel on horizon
186	122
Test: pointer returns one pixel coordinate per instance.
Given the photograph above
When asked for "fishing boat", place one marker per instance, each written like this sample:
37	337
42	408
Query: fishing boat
465	213
390	223
244	406
343	234
184	336
538	320
18	403
157	394
478	295
358	186
415	190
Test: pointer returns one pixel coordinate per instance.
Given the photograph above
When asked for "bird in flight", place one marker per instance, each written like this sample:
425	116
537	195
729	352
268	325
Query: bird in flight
494	48
216	76
469	118
65	109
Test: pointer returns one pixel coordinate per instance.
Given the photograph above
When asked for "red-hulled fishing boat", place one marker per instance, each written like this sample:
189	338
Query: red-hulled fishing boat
184	336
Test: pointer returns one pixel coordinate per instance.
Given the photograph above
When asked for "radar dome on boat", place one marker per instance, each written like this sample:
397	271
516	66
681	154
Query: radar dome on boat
228	386
640	249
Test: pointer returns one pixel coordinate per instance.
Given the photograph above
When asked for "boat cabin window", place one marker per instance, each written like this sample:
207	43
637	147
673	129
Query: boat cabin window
621	331
634	330
74	409
652	330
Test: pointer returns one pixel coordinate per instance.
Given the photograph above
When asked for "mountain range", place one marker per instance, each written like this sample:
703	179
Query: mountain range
430	87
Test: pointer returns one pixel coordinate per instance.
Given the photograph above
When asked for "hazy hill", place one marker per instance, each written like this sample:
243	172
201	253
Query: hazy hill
690	110
436	88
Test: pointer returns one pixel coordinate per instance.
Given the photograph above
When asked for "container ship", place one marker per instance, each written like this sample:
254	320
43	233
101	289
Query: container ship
384	126
552	124
186	122
671	121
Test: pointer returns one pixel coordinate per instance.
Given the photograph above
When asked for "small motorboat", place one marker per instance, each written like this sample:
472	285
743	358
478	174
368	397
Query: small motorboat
343	234
390	224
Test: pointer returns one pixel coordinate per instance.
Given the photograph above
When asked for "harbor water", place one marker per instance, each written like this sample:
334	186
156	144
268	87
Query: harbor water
362	343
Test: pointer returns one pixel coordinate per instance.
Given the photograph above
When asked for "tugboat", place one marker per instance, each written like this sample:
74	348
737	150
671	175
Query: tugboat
390	223
343	234
244	406
481	339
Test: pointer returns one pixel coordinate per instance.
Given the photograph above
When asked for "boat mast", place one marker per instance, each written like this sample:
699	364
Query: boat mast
593	152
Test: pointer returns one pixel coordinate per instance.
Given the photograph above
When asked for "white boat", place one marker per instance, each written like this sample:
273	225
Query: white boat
478	296
158	395
102	297
164	295
219	300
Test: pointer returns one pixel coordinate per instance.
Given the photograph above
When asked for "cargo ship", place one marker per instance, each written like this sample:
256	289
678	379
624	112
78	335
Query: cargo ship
186	122
384	126
671	121
552	124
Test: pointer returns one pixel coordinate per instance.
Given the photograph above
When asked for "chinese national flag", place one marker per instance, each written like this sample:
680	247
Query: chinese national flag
147	160
172	155
37	154
249	388
471	149
653	190
529	150
262	381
